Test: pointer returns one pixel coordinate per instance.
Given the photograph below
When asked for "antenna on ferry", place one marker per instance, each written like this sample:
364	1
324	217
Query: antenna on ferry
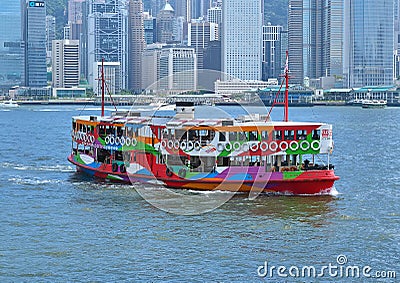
102	87
286	102
287	87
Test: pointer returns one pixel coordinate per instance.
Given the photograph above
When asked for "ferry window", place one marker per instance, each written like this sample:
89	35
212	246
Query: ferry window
232	136
316	134
277	135
165	134
223	161
289	135
74	125
236	161
253	135
301	134
181	134
222	137
102	131
242	136
264	135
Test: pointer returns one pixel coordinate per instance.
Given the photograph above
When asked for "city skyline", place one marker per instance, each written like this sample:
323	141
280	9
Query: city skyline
337	39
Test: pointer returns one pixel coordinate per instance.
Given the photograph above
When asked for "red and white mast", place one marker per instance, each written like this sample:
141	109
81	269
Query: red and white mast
102	87
286	119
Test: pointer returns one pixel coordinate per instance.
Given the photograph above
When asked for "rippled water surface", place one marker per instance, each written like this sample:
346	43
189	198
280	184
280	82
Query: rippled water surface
57	225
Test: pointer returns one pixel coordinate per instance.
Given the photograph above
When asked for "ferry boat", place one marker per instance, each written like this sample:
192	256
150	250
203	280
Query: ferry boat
367	103
9	104
246	154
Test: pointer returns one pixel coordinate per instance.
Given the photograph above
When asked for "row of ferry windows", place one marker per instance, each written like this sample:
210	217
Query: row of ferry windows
207	134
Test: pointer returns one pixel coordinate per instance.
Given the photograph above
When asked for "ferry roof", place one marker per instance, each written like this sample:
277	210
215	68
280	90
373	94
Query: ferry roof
200	123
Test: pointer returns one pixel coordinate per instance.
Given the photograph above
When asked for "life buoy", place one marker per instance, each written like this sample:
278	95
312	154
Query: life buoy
254	147
189	146
176	144
315	145
128	141
294	145
91	139
197	146
170	144
112	140
220	147
168	172
114	167
264	146
122	168
245	147
283	145
236	145
122	140
134	142
107	140
164	143
304	145
228	146
182	173
273	146
183	145
117	141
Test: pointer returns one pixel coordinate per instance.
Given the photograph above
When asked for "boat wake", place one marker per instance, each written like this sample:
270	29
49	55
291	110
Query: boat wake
32	181
46	168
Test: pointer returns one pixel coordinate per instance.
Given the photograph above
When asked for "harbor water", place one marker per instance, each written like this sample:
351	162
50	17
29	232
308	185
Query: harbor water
60	226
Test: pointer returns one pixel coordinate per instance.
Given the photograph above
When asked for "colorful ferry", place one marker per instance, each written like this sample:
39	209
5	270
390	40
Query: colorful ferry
246	154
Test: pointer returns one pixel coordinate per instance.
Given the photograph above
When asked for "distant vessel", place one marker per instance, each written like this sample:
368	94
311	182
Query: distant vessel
367	103
250	153
8	104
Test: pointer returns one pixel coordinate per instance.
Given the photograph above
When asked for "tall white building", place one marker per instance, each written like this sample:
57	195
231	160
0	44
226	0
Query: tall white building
178	69
111	76
241	39
65	59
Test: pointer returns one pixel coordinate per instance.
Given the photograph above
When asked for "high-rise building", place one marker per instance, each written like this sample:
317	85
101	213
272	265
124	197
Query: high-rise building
136	45
150	28
111	76
315	39
199	36
178	69
165	24
11	45
368	43
75	17
65	63
212	56
34	36
151	66
107	39
241	39
50	32
271	60
214	15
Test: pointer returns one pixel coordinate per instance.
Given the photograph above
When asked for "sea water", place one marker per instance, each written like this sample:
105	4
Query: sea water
61	226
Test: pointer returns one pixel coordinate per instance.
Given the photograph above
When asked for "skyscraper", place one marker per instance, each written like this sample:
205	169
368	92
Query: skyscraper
75	15
65	63
34	36
369	42
136	45
271	51
50	32
107	38
199	36
11	45
165	24
315	38
241	39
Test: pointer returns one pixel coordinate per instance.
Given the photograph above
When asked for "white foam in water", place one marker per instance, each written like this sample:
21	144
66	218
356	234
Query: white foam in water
55	168
33	181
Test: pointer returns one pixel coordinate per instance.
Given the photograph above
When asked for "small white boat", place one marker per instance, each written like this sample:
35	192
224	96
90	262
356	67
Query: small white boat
374	103
8	104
